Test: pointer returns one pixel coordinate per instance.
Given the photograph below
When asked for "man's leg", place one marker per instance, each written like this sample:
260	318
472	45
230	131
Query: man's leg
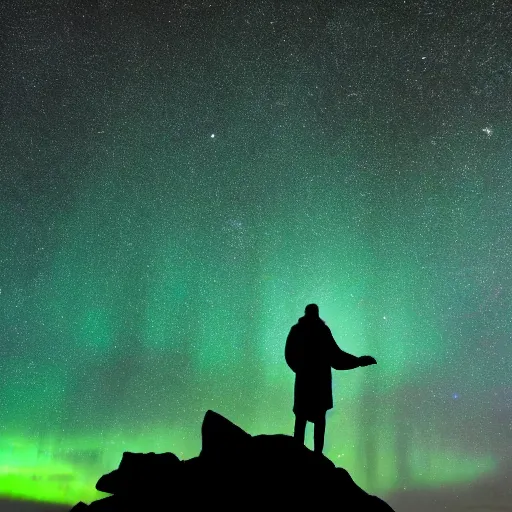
319	433
300	429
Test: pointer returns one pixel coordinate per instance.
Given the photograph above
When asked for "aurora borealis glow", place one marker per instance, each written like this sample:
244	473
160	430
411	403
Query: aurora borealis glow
179	179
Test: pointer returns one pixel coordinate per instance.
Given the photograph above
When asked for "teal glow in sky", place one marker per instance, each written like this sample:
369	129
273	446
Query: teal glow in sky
177	183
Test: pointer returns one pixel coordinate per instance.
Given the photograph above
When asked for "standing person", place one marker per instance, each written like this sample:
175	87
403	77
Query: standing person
311	352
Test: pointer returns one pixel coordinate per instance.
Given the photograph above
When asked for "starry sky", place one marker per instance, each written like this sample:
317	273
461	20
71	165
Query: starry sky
179	179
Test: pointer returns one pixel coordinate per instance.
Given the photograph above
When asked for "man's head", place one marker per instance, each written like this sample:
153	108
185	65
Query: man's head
312	311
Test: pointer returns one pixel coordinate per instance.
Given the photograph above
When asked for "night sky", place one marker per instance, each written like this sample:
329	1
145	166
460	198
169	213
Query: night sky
179	179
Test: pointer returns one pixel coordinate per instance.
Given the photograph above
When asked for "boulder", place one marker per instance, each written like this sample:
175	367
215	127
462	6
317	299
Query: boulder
140	472
233	471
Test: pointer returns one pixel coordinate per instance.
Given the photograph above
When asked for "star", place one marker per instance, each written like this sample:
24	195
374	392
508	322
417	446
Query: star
488	131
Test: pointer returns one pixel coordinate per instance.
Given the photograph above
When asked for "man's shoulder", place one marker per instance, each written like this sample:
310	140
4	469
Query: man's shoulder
325	330
311	327
294	328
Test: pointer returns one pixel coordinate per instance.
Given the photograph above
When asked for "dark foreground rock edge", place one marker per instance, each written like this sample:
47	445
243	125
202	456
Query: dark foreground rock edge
233	471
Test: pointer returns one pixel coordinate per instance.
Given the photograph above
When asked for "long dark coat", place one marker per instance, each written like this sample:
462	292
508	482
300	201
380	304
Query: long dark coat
311	352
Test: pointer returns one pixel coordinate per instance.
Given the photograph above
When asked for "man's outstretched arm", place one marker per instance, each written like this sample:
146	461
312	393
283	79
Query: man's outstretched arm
341	360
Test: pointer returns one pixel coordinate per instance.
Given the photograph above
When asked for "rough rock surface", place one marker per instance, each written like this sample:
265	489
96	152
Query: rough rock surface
233	471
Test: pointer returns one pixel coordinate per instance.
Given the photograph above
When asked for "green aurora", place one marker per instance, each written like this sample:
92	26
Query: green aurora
164	230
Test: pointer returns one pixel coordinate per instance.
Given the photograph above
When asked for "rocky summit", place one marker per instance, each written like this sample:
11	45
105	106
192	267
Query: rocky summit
234	471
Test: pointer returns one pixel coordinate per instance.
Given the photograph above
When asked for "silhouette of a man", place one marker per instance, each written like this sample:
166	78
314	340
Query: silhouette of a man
311	352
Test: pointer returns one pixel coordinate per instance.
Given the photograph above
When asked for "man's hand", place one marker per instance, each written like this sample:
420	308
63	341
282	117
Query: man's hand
366	360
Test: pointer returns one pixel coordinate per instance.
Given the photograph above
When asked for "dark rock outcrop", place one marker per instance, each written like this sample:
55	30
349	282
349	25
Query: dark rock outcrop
234	471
